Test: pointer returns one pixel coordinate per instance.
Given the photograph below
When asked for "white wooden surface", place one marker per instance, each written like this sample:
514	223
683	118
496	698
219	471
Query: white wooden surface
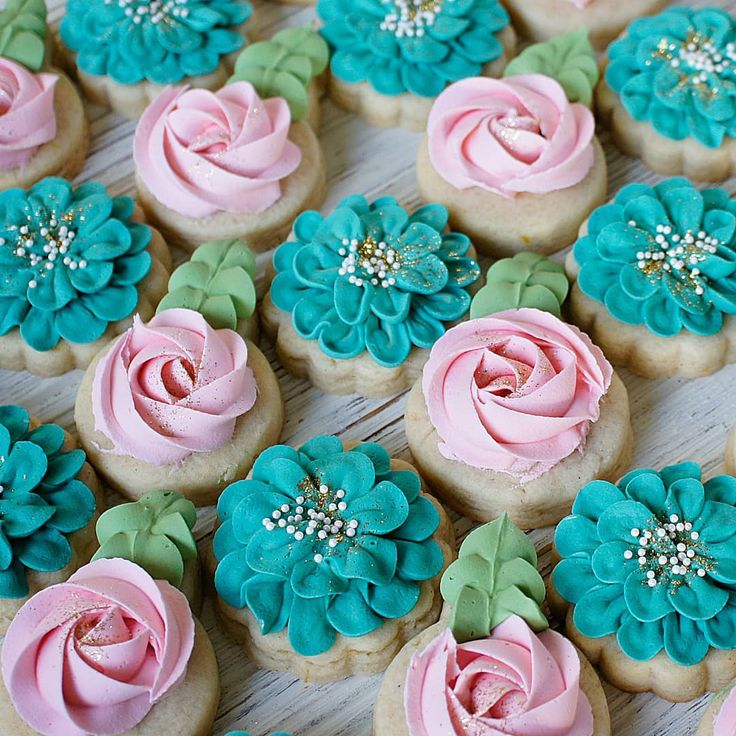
674	420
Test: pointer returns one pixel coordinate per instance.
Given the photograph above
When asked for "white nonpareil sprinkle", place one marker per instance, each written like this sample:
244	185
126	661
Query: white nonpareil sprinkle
155	10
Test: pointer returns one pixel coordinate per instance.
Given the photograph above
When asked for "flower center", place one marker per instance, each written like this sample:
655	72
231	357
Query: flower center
670	552
156	11
410	17
369	261
319	513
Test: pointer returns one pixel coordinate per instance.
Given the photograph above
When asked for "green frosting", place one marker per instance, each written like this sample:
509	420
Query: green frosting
23	32
217	282
651	560
41	500
495	576
526	280
284	66
568	58
155	532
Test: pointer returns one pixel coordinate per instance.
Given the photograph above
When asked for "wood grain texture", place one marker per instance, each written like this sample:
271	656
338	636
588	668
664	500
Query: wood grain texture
673	420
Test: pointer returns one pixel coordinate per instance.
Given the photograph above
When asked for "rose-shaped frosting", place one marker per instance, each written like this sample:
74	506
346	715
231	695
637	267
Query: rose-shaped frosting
725	720
95	654
27	116
519	134
513	682
172	387
202	152
515	392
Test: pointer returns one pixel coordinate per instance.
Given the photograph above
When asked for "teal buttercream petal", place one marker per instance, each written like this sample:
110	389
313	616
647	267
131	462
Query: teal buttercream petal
685	208
24	517
310	633
388	344
49	437
63	467
422	522
595	497
684	641
716	523
622	306
395	599
47	550
341	341
685	497
13	583
231	574
313	314
662	315
382	511
378	456
720	631
38	330
323	446
408	482
576	534
648	489
312	580
248	517
372	558
73	506
640	640
635	285
644	602
434	216
305	229
270	599
352	472
315	265
235	493
274	553
416	559
610	564
352	302
596	277
24	467
77	323
573	577
721	488
351	615
423	329
699	599
673	473
225	540
617	521
600	611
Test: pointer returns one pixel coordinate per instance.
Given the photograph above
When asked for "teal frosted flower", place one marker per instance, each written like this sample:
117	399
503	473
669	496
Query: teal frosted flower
372	277
663	256
70	262
677	70
41	502
325	541
653	561
400	46
161	41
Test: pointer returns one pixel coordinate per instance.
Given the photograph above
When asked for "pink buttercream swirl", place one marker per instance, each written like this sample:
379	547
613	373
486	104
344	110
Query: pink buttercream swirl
513	683
725	721
172	387
27	114
95	654
514	392
202	152
507	136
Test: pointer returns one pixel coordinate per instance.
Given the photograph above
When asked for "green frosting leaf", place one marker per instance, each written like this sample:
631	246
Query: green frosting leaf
284	66
494	577
155	532
568	58
23	32
526	280
218	282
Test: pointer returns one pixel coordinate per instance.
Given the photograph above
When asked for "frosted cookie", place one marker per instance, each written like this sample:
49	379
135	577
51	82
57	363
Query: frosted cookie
647	585
75	264
50	499
219	282
668	92
328	559
360	295
604	19
655	275
515	163
720	717
391	58
225	164
511	412
176	404
111	652
125	52
491	666
291	65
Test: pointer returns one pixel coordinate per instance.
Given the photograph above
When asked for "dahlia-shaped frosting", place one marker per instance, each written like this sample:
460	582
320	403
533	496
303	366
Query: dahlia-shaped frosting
172	387
513	135
724	723
27	115
202	152
95	654
514	392
513	682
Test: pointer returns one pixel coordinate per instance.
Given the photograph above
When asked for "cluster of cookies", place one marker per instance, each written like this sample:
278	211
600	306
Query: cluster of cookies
333	559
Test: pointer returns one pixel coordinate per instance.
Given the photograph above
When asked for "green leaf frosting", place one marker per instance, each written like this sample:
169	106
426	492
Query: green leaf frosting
155	532
23	32
284	66
494	577
568	58
526	280
217	282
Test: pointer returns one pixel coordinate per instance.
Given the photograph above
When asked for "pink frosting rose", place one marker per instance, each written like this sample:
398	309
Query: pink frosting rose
514	392
27	114
172	387
725	722
513	683
95	654
507	136
202	152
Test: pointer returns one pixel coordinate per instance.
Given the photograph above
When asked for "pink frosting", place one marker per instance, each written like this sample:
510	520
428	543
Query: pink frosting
27	115
514	392
725	722
512	683
172	387
202	152
580	4
507	136
95	654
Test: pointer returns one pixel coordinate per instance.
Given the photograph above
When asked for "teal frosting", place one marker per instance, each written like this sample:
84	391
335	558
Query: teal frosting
372	277
682	598
398	46
663	257
41	500
677	70
70	262
325	541
163	42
